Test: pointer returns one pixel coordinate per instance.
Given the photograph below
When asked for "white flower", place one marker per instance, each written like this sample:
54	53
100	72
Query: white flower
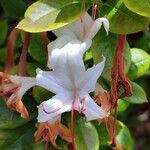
69	80
83	28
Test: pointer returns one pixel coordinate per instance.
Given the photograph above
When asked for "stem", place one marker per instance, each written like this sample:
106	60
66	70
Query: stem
94	9
23	57
45	41
9	63
72	123
118	79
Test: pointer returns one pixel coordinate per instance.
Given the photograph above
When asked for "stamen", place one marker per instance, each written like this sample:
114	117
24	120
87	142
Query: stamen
49	112
81	105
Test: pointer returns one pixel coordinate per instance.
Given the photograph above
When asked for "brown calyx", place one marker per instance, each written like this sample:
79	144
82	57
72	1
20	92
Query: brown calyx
9	89
50	131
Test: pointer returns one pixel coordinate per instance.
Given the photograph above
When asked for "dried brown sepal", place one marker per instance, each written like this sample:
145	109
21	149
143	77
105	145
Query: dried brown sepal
9	91
103	100
50	131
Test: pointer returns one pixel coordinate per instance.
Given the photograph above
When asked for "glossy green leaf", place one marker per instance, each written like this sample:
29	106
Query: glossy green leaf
15	8
86	136
140	63
122	20
36	49
138	95
141	7
10	119
31	68
3	31
40	94
104	137
105	45
122	105
46	15
18	139
124	138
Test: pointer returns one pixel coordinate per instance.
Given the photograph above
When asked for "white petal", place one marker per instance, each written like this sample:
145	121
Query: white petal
92	110
95	27
92	76
59	43
25	84
78	28
47	80
106	24
51	108
67	62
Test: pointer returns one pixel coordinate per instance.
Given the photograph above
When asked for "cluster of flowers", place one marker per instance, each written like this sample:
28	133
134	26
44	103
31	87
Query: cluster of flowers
67	78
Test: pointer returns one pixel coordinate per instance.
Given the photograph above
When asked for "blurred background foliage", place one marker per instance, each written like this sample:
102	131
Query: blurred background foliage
17	133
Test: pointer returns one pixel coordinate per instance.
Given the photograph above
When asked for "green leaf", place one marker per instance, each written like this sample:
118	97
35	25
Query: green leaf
86	136
18	139
122	105
138	95
106	45
46	15
36	49
122	20
40	94
104	137
124	138
31	67
2	54
41	146
141	7
140	63
143	42
14	9
10	119
3	31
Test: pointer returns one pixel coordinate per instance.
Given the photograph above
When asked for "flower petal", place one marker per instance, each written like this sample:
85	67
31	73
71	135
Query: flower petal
25	84
67	62
47	80
92	76
87	28
53	107
91	110
94	28
77	28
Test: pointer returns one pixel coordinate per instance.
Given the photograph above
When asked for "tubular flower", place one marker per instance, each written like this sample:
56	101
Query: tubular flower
69	80
51	129
12	88
83	28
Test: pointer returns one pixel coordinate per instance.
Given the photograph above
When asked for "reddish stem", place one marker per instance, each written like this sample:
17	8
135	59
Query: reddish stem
118	79
9	63
45	41
94	9
23	57
72	124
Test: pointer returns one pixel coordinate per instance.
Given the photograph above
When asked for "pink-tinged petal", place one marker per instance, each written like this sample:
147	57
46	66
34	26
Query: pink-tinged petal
92	76
91	110
67	62
51	108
